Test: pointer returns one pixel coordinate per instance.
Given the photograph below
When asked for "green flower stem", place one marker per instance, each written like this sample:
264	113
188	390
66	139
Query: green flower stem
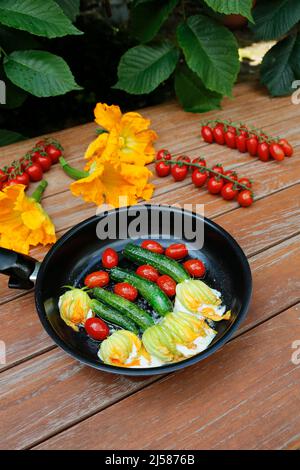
72	172
38	192
206	168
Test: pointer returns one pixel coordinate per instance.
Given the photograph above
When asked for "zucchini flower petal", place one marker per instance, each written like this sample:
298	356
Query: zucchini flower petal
192	294
75	308
122	349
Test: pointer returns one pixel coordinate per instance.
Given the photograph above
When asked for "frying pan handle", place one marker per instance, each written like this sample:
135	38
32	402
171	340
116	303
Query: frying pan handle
21	269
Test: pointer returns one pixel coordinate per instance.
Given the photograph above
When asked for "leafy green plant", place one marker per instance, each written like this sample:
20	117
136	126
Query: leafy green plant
187	40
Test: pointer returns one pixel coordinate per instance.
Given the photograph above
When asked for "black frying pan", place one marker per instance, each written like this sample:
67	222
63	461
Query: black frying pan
78	252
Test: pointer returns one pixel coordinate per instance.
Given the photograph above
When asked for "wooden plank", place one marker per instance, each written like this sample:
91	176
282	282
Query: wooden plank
244	397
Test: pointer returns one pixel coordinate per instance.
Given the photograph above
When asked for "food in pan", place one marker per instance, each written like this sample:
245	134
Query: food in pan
169	318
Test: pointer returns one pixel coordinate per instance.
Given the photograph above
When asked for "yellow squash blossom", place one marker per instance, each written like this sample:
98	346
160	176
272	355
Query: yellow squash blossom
24	223
111	181
128	136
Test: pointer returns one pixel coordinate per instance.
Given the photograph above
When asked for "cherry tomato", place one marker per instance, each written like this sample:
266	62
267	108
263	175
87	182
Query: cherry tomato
277	152
96	328
3	176
184	158
10	182
286	147
195	267
45	162
245	182
123	289
110	258
230	139
167	285
148	272
23	178
41	144
176	251
36	154
232	174
220	125
243	131
25	163
153	246
162	169
207	134
218	168
199	161
252	144
245	198
179	173
163	154
34	172
231	129
219	135
228	192
215	185
97	279
53	152
199	178
263	151
240	142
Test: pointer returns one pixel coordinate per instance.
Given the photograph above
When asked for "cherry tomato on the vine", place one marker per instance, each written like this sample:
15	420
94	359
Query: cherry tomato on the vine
96	328
167	285
45	162
252	144
148	272
277	152
245	182
184	158
245	198
199	177
215	185
263	151
219	135
232	174
217	169
3	176
228	192
230	139
176	251
163	154
207	134
97	279
286	147
53	152
178	172
240	142
153	246
35	172
200	161
23	178
110	258
123	289
195	267
9	182
162	169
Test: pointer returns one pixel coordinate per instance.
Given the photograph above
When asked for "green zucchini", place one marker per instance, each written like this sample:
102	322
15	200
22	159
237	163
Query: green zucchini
162	263
155	297
125	307
113	316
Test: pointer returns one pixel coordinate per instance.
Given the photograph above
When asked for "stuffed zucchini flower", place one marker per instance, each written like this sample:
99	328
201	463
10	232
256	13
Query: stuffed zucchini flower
75	308
122	349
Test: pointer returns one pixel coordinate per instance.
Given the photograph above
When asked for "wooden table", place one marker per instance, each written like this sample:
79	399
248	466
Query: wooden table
246	396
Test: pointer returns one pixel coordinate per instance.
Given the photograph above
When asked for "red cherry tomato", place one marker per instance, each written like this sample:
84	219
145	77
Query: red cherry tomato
25	163
218	168
10	182
230	139
240	142
286	147
199	178
123	289
148	272
3	176
207	134
252	144
195	267
23	178
231	129
199	161
263	151
34	172
167	285
163	154
96	329
232	174
277	152
53	152
228	192
36	154
218	133
215	185
97	279
184	158
45	162
153	246
110	258
162	169
179	173
245	198
176	251
245	182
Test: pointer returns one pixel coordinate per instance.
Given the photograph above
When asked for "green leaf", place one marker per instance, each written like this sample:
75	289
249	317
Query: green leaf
192	94
43	18
211	51
228	7
143	68
40	73
9	137
71	8
280	67
274	19
148	17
